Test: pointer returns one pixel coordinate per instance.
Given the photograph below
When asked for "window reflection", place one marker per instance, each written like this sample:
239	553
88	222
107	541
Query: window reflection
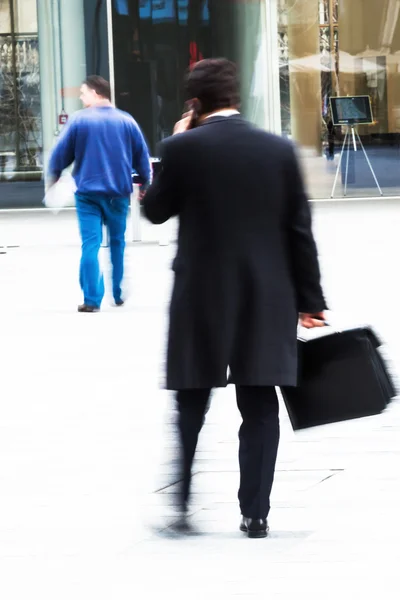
341	48
154	43
20	115
157	11
170	10
122	7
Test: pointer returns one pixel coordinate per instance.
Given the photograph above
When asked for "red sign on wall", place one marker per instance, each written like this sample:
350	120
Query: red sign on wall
62	118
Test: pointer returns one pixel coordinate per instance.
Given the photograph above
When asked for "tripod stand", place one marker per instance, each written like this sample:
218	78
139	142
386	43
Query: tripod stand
349	139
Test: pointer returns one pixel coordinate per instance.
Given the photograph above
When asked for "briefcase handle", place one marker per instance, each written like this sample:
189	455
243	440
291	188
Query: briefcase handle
316	330
325	322
375	339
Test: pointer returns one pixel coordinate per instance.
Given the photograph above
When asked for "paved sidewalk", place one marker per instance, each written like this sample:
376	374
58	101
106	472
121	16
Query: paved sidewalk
86	439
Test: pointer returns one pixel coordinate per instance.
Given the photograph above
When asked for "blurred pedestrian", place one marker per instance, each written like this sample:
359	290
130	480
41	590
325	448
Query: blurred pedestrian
331	139
246	267
105	145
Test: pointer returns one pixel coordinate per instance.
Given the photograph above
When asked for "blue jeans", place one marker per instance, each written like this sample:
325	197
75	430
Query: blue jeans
93	211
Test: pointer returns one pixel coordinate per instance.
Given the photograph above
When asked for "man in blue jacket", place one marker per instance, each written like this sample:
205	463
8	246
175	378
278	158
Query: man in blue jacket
106	146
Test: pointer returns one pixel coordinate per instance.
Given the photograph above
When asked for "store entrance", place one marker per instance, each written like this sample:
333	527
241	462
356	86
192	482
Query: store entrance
154	44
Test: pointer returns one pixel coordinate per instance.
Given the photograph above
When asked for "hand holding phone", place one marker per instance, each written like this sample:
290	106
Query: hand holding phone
184	124
189	119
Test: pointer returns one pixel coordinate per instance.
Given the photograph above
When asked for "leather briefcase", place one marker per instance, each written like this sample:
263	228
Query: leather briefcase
342	376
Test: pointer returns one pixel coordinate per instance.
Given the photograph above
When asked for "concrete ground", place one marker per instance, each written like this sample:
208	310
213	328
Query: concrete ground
87	441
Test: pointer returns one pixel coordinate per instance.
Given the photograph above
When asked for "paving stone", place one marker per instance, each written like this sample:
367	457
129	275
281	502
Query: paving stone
88	447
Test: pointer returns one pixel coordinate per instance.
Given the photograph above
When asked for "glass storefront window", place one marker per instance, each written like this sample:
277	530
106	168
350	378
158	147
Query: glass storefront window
348	48
293	57
155	42
5	16
47	48
20	116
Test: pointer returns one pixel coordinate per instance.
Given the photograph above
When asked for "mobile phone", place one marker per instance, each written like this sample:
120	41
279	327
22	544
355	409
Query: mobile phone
190	107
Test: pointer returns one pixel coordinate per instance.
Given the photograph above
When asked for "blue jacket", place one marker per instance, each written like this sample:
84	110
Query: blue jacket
106	146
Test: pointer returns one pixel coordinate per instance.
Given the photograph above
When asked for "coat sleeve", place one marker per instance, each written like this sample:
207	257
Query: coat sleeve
140	155
162	199
302	246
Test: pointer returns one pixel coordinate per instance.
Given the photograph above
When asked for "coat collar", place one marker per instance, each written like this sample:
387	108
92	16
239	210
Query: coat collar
217	118
226	112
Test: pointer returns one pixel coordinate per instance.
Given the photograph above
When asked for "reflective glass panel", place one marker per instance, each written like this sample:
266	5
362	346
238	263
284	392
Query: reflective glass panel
156	41
342	48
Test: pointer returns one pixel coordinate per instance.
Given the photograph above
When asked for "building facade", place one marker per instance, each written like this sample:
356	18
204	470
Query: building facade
293	56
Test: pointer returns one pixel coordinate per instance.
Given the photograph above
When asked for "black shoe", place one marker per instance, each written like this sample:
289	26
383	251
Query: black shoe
255	528
85	308
119	302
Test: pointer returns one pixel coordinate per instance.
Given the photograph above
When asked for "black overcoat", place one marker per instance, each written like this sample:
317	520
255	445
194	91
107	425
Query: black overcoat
246	262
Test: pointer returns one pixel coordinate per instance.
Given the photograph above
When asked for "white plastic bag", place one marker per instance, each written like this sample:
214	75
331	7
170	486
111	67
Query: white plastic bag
61	194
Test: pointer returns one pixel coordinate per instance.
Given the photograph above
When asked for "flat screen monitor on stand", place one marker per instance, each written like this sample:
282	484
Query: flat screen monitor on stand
351	111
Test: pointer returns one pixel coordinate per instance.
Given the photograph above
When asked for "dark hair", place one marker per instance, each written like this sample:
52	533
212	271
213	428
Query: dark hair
99	85
215	82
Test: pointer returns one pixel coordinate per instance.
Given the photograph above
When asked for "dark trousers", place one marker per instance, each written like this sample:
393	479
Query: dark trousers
258	443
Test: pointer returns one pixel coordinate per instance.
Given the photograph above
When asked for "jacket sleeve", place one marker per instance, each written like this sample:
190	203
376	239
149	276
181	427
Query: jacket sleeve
63	154
162	199
140	155
302	247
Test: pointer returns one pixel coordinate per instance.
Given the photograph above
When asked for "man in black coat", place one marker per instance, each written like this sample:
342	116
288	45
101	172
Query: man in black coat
245	269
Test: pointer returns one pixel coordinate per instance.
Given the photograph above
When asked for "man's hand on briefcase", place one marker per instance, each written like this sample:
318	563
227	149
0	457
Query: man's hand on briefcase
310	320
